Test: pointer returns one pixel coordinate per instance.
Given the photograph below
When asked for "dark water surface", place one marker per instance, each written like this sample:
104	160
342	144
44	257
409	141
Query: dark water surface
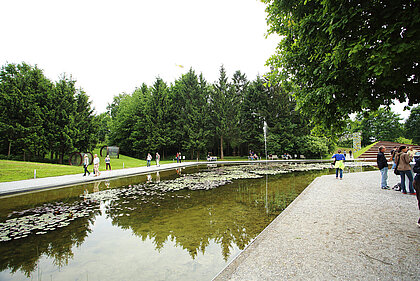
140	233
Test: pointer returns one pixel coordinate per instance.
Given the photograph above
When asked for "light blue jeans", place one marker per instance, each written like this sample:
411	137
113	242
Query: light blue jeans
384	177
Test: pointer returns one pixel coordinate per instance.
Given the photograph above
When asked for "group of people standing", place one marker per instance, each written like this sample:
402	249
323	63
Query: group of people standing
96	161
401	158
149	159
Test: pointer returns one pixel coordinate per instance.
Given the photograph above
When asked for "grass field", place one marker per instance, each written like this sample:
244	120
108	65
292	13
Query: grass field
363	150
20	170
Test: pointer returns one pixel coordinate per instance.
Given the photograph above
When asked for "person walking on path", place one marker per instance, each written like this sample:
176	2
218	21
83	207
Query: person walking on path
416	184
96	165
403	166
86	164
339	164
350	153
157	159
149	159
383	167
108	162
177	157
180	157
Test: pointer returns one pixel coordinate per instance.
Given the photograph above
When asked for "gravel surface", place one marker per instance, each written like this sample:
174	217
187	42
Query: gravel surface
346	229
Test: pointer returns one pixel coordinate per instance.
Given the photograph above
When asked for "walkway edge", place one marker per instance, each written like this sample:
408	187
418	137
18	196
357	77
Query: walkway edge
230	267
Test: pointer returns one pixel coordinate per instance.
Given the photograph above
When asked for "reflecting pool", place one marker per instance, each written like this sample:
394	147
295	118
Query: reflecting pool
185	224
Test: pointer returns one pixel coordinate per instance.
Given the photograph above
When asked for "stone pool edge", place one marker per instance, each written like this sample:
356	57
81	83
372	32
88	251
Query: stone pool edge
227	271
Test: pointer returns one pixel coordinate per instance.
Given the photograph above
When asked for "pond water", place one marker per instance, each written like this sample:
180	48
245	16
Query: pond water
185	224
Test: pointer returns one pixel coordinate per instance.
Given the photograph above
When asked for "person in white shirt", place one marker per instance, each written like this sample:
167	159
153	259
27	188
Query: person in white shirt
96	161
86	164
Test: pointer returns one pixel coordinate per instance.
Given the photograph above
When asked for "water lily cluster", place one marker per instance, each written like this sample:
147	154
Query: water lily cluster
48	217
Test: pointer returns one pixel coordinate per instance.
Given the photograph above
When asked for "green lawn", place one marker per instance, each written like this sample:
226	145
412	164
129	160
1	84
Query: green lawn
20	170
363	150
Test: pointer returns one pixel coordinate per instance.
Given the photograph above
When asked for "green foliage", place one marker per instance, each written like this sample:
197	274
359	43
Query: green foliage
412	125
39	117
346	57
195	117
404	140
224	104
379	125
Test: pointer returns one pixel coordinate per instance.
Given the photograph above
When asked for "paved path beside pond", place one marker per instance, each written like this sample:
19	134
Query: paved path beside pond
60	181
337	230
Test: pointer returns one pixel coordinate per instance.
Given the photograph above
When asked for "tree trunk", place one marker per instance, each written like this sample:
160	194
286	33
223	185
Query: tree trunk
60	159
10	148
198	155
221	147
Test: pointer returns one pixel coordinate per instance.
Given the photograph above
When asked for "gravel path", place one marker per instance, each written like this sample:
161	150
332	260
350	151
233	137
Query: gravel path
346	229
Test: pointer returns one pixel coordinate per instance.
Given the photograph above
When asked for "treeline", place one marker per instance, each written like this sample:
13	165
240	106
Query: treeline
196	117
42	119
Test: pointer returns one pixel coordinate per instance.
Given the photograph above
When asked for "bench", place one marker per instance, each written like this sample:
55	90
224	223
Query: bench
272	157
211	158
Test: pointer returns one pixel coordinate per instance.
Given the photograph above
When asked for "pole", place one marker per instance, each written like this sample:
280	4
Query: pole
35	174
265	140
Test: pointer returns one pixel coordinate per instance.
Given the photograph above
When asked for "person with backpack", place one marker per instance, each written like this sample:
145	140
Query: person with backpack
404	169
383	167
416	184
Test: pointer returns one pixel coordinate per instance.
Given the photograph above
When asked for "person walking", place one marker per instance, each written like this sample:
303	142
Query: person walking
96	165
339	164
416	184
177	157
149	159
383	167
108	162
350	153
86	164
403	167
157	159
180	157
344	153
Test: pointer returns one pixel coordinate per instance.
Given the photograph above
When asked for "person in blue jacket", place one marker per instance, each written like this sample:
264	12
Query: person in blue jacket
339	164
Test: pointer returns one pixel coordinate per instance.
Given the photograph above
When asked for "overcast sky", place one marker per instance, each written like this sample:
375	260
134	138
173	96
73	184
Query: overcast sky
111	47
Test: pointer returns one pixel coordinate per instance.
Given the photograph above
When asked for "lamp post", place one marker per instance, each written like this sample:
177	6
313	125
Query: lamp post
265	140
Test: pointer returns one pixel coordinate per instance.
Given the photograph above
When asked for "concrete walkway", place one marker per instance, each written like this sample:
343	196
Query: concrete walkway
61	181
337	230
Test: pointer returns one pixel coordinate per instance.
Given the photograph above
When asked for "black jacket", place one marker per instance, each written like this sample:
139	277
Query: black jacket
381	160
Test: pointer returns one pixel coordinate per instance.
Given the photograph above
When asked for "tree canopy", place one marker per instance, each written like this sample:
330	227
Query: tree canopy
346	56
38	116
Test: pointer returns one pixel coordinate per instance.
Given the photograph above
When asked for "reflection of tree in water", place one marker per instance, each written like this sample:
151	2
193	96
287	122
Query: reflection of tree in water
24	254
192	219
230	215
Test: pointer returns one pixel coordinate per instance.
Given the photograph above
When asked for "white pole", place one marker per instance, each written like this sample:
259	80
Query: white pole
123	165
35	174
265	140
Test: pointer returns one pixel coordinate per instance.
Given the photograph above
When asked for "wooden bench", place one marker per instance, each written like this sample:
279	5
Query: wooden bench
211	158
272	157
